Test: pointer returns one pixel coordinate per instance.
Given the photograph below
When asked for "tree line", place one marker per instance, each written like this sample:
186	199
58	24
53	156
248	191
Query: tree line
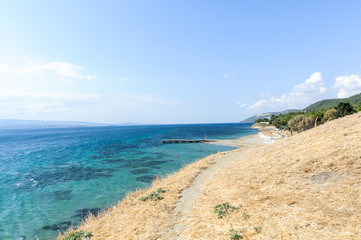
303	120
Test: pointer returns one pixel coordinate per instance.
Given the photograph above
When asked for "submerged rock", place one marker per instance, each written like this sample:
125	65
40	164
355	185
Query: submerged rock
139	171
83	213
146	178
63	226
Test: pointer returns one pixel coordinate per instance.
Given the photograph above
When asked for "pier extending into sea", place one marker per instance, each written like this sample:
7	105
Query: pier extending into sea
187	140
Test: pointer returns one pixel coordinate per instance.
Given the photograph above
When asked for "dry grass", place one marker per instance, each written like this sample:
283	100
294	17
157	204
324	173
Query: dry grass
304	187
134	219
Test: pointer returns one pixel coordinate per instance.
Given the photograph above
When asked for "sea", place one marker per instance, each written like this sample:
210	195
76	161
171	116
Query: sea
51	178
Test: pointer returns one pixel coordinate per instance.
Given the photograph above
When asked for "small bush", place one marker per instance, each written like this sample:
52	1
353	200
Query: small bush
245	216
153	196
257	229
79	235
329	115
235	235
301	123
223	209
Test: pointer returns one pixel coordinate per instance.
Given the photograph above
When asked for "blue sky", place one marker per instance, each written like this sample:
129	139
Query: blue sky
174	61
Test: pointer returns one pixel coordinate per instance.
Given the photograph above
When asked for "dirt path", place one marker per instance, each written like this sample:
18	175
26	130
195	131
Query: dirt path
189	195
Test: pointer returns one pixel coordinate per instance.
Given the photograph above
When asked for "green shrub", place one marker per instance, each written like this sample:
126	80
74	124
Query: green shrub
223	209
281	121
257	229
153	196
245	216
79	235
344	108
235	235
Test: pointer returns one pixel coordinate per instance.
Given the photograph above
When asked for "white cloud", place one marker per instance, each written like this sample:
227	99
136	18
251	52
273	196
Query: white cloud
65	70
229	75
348	85
124	79
40	91
241	105
81	107
311	90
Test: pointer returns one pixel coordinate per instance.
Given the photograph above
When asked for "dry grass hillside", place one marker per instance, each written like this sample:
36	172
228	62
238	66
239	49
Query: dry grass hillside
304	187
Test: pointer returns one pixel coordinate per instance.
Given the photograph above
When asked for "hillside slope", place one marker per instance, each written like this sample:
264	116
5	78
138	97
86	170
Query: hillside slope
332	103
266	115
304	187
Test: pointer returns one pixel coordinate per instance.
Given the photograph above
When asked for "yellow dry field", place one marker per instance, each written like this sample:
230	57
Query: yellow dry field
303	187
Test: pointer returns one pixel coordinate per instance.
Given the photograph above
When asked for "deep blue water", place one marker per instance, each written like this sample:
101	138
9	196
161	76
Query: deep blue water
51	178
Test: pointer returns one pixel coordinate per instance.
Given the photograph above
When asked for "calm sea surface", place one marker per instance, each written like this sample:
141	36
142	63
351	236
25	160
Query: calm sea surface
51	178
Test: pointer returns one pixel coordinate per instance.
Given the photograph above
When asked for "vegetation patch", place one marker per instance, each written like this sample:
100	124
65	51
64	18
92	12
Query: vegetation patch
245	216
301	123
324	105
79	235
154	196
344	108
309	118
257	229
223	209
234	235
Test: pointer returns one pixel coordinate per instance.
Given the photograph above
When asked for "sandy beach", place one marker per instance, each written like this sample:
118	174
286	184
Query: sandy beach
248	141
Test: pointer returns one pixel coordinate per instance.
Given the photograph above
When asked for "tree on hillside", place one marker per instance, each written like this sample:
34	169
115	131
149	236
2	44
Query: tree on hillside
279	122
301	123
329	115
344	108
358	107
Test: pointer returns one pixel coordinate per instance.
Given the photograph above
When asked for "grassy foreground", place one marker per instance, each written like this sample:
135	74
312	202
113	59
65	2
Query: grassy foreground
305	187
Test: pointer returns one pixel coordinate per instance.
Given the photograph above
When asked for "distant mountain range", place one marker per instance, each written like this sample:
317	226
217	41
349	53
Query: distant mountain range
265	115
16	124
317	106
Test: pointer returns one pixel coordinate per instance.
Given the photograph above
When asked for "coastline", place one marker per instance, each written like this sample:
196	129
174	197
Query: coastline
247	141
174	184
95	169
265	135
303	187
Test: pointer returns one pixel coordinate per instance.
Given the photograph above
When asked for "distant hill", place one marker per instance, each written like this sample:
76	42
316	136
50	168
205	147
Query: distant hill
17	124
265	115
331	103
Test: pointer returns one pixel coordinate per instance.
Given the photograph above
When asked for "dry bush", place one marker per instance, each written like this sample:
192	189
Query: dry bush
301	123
330	114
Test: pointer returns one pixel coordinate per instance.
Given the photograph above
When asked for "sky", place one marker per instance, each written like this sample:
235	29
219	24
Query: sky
180	61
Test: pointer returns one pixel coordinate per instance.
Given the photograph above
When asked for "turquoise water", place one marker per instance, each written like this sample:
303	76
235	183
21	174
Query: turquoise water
52	178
